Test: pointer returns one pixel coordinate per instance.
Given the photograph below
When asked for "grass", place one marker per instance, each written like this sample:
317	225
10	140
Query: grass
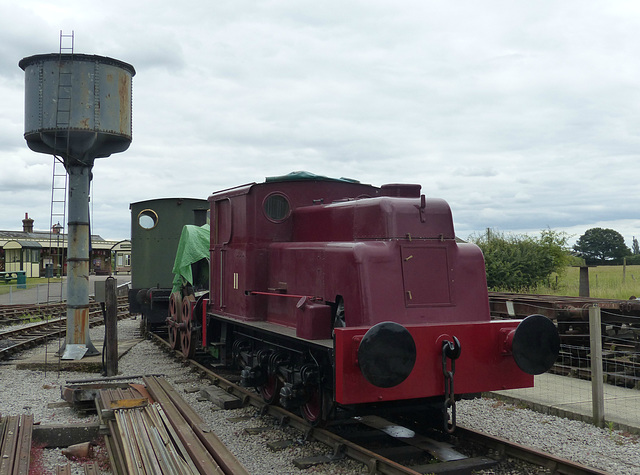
31	281
606	282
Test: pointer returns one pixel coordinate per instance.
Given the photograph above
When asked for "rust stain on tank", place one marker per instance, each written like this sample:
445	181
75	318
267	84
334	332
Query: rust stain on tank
124	86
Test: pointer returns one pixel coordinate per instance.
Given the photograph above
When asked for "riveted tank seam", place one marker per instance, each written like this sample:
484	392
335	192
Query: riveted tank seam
96	95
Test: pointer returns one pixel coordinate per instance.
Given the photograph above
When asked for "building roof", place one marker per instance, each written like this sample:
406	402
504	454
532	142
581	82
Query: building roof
44	238
17	244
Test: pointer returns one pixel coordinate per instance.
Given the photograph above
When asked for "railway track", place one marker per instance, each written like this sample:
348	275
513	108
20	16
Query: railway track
566	311
54	326
24	313
353	439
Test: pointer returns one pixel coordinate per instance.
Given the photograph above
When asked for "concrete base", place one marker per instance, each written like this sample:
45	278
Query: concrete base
50	361
571	398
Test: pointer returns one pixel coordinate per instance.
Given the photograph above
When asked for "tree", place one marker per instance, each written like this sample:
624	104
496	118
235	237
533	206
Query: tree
521	263
635	247
601	246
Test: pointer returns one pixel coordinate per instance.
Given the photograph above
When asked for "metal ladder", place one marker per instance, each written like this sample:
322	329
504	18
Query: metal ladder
57	222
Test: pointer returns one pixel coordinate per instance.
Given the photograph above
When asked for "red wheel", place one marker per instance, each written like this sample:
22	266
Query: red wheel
175	315
317	407
187	339
270	391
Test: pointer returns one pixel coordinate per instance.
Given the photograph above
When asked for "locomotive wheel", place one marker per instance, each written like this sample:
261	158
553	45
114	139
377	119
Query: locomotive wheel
187	339
313	408
270	391
174	341
175	314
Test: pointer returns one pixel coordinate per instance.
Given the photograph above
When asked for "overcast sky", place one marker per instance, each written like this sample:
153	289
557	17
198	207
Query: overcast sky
522	115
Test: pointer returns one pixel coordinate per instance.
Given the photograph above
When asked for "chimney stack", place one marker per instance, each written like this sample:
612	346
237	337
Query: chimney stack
27	224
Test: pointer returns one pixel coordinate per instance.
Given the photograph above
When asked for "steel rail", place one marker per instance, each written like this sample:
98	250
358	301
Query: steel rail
15	444
208	453
19	313
31	335
529	454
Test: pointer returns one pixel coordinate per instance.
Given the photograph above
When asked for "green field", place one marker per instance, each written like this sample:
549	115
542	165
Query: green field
607	282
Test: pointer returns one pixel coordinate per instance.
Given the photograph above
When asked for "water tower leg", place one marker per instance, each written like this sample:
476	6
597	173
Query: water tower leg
78	342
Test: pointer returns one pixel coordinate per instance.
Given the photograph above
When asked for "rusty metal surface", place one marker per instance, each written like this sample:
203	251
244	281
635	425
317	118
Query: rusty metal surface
63	469
224	458
91	469
15	444
511	305
186	429
98	95
155	434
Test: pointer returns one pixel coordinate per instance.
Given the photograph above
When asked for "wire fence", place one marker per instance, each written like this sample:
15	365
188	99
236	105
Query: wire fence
596	377
14	294
52	292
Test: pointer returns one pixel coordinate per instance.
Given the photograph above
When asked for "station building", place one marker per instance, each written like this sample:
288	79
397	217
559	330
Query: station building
44	253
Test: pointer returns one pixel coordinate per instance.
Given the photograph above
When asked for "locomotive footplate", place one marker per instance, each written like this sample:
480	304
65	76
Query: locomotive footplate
278	331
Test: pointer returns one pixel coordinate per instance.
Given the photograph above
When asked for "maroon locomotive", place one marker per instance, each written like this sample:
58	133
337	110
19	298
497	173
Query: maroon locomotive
331	295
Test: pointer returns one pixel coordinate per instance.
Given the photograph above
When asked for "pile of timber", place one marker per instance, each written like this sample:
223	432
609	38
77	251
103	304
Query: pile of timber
152	430
15	444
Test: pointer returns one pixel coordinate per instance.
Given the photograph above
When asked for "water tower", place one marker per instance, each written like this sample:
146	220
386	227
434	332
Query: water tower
78	108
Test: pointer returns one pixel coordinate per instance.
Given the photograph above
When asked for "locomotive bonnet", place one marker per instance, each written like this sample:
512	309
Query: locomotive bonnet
334	295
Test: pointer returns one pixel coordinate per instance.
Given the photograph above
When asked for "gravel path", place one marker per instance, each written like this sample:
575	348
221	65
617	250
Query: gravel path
24	391
605	449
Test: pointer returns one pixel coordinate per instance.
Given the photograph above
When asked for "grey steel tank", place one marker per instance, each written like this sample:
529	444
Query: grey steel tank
77	106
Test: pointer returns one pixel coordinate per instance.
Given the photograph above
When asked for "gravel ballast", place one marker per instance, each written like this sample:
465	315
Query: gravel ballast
25	391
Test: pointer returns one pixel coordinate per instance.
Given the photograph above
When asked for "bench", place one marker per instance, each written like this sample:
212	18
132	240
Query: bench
18	276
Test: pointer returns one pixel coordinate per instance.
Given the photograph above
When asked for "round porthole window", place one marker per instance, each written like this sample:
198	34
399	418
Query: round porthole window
277	207
147	219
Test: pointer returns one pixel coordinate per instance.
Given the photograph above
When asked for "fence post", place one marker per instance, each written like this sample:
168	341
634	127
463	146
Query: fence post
111	326
597	384
584	281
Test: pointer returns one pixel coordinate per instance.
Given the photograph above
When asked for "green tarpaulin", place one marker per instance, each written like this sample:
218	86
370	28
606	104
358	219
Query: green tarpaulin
192	247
